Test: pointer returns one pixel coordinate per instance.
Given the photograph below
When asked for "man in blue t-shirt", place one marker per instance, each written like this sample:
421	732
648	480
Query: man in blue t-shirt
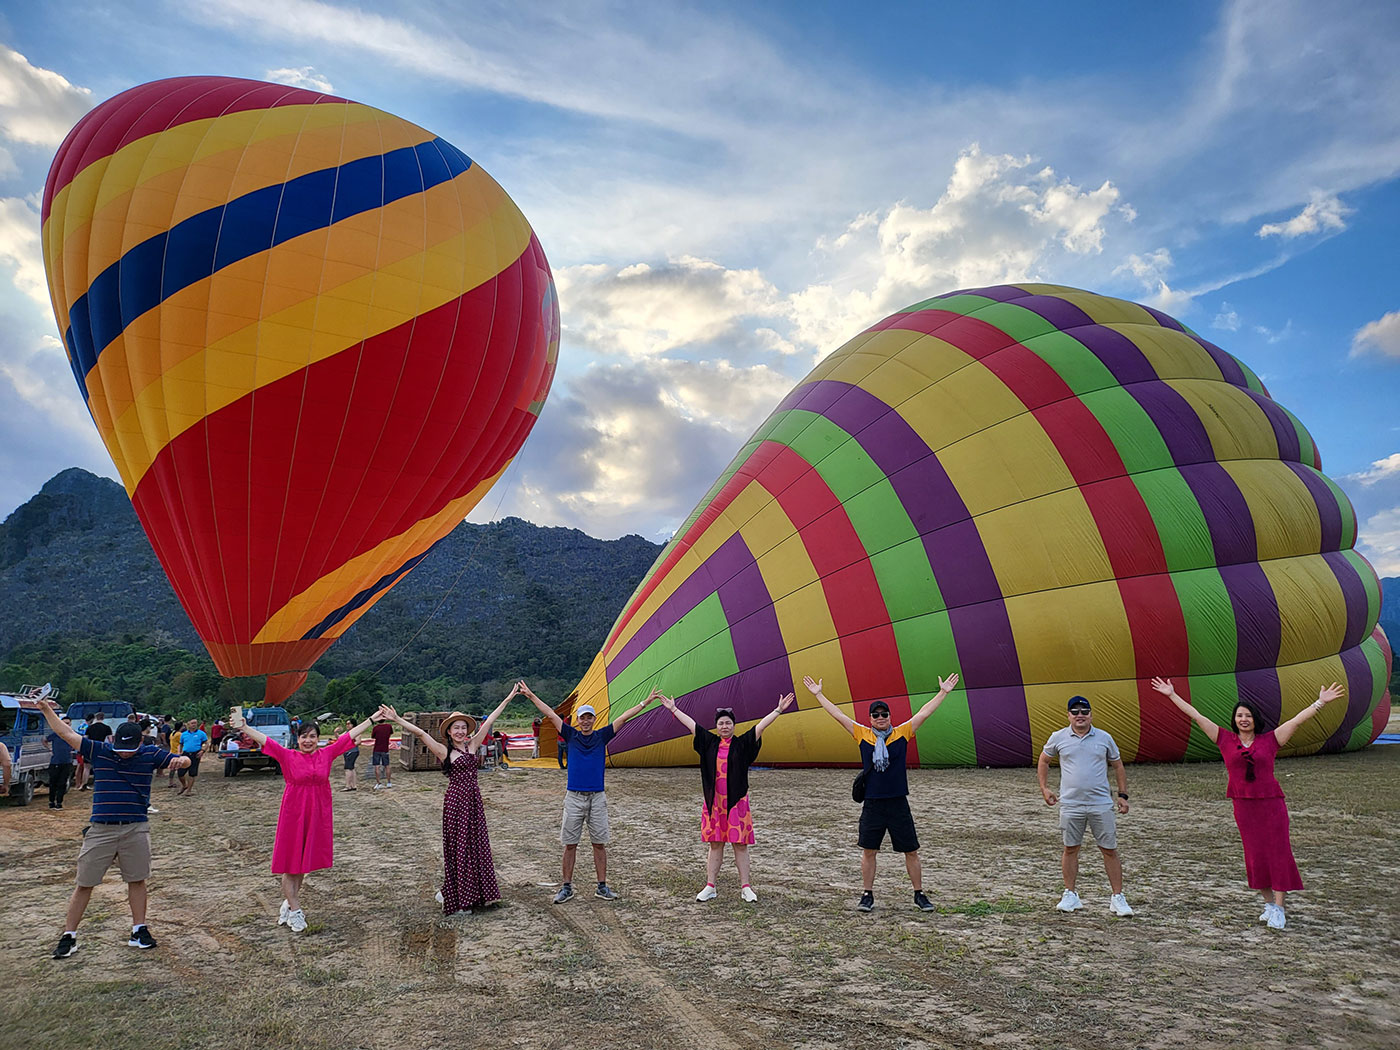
60	766
884	754
193	741
584	800
119	831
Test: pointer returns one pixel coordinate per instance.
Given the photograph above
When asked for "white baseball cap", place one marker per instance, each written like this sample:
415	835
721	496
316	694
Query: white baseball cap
586	709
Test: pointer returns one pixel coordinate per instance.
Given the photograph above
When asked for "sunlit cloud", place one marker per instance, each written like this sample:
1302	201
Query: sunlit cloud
1380	337
1323	213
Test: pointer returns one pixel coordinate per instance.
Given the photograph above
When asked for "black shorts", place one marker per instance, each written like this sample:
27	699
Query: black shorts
879	815
351	757
194	757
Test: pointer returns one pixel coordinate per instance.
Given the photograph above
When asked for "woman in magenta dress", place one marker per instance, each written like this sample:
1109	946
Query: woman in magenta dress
1260	811
305	824
469	872
724	778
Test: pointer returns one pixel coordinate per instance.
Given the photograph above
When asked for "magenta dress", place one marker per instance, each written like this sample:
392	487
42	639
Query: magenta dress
305	825
469	872
720	823
1260	812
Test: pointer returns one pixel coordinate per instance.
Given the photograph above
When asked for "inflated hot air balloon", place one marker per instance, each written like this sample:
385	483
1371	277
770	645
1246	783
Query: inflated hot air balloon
311	335
1050	492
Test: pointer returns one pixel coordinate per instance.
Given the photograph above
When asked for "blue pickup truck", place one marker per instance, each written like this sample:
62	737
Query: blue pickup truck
25	733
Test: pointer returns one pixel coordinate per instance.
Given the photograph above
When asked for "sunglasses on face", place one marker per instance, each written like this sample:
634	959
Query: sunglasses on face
879	714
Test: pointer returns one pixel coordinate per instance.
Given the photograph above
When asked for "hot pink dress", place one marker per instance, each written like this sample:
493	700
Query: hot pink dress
1260	812
305	825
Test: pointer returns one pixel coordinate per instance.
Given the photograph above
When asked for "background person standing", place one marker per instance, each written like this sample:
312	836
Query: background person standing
60	764
379	757
193	741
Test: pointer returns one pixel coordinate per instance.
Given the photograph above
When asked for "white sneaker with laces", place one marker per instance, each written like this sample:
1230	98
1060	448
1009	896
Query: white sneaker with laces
1069	901
749	895
283	912
709	893
1118	904
1268	911
438	897
296	920
1276	919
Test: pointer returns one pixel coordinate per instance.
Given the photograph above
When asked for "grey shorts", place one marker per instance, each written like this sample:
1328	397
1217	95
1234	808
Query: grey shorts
128	844
1102	824
379	758
585	807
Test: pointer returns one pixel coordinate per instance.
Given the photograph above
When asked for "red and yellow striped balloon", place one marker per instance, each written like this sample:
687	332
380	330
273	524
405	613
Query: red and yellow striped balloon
311	334
1049	491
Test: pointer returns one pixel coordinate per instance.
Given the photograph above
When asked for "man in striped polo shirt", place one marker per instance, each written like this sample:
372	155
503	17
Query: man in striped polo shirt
119	831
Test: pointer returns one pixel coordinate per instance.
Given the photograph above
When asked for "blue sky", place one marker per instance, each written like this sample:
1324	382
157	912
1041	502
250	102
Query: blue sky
729	191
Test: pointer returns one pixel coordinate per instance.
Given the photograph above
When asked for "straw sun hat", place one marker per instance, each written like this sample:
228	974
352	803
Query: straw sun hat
455	716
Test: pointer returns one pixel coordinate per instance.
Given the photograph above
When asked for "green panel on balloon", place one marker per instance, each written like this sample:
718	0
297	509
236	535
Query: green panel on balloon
1211	631
1016	321
1139	444
1073	362
1215	696
945	739
675	656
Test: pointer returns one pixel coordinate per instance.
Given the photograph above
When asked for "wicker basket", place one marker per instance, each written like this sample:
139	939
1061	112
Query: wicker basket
412	754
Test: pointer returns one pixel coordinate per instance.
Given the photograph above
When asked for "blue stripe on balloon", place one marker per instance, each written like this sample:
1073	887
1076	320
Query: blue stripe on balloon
367	595
203	244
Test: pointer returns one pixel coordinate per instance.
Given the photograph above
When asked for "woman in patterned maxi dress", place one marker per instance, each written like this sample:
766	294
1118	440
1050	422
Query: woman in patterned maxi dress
724	779
469	872
305	839
1260	811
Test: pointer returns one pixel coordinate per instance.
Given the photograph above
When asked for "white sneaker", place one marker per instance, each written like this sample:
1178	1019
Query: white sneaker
709	893
1276	919
749	895
378	786
282	913
296	920
1070	901
1266	913
1118	904
438	897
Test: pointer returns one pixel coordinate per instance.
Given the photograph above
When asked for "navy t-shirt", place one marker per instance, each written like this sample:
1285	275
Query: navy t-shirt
62	751
121	787
587	756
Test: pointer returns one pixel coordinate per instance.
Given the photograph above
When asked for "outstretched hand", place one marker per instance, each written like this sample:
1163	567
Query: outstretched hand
1163	686
386	713
1329	693
947	685
784	702
669	703
814	685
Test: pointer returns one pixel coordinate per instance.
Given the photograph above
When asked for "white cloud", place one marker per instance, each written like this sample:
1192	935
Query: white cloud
300	76
1323	212
1378	541
1275	335
1227	320
1375	494
1382	470
37	106
21	252
1381	337
1150	270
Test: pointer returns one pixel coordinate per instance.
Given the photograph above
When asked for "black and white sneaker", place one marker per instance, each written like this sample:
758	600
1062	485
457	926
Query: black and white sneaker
67	945
604	892
921	902
142	939
867	901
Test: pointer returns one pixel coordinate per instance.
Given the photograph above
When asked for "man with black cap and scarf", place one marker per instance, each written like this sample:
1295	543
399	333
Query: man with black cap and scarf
884	755
121	794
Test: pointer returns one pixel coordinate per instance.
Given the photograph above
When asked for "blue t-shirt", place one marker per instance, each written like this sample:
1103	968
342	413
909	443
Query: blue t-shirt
121	787
587	756
62	750
192	741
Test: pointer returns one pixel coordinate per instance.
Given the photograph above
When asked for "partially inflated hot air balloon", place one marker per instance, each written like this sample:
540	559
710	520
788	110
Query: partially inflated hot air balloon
1049	491
311	335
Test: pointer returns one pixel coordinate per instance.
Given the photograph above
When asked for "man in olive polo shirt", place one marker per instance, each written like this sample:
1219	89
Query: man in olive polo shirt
119	831
1086	755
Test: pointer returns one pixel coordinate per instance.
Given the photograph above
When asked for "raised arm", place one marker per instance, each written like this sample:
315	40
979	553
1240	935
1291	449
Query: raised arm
67	732
544	708
814	686
945	686
485	730
1325	696
1209	728
633	712
360	730
784	702
240	724
669	703
432	743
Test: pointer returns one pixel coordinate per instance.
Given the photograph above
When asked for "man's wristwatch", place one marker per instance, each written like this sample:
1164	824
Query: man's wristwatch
1123	795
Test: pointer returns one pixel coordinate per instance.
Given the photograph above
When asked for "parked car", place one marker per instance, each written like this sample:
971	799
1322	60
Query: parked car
113	712
25	733
239	753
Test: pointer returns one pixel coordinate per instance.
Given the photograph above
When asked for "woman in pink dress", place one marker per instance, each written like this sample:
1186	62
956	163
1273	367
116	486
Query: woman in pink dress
724	778
1260	811
305	824
469	872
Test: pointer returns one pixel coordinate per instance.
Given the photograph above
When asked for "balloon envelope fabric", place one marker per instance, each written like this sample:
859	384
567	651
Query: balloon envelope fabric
311	335
1049	491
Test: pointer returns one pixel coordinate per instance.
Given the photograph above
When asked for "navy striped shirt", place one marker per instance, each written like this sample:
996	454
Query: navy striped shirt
121	786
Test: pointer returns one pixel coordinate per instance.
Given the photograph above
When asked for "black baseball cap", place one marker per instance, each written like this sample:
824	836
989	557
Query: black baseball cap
879	705
127	737
1079	701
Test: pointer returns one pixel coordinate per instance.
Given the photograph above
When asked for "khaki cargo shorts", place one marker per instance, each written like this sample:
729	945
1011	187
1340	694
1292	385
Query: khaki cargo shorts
128	844
1102	824
585	807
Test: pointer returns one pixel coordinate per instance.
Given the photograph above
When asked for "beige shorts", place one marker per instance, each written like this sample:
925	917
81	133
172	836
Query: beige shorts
585	807
128	844
1102	824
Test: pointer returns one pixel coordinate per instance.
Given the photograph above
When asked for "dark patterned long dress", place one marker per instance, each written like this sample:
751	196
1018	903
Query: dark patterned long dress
470	873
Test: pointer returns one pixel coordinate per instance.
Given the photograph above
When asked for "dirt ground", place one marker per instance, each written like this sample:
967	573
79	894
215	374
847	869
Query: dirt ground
996	966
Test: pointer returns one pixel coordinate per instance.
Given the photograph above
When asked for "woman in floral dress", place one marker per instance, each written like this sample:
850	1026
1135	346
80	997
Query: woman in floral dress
724	778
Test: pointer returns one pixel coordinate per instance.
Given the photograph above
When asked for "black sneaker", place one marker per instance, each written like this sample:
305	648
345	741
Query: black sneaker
605	892
566	893
67	945
142	939
921	902
867	901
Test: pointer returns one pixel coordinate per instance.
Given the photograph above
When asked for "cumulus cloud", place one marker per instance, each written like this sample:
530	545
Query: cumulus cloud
1151	269
37	106
1375	493
1227	320
1323	212
1380	337
20	250
300	76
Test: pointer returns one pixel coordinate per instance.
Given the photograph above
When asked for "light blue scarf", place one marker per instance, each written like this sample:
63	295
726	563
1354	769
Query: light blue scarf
882	753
